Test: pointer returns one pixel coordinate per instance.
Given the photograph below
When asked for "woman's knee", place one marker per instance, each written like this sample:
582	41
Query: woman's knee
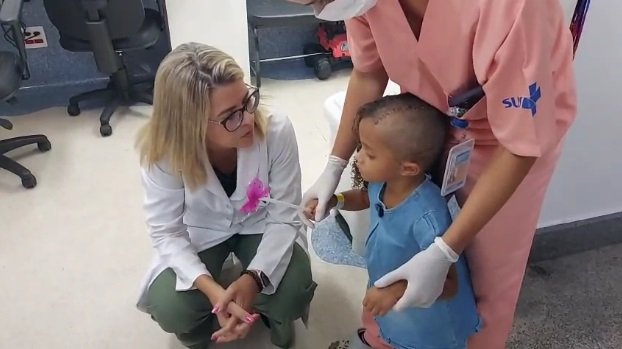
176	312
295	291
176	318
294	301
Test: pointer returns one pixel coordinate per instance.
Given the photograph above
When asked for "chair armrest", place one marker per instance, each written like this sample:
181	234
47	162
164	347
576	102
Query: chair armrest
11	11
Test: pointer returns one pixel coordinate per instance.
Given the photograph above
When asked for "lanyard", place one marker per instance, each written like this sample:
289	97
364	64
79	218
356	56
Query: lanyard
578	19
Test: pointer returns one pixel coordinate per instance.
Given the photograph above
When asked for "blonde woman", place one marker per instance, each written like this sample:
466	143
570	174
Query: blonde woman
205	143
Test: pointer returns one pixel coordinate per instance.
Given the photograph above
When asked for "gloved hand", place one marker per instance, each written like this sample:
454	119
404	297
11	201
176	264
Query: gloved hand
425	273
325	186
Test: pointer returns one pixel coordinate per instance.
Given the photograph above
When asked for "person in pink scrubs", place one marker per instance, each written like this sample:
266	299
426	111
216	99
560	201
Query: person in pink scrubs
519	53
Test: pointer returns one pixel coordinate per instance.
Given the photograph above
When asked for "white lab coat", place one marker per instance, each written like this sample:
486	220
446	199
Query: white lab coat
183	222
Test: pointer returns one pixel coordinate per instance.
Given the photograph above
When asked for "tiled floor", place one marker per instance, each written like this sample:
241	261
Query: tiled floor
73	250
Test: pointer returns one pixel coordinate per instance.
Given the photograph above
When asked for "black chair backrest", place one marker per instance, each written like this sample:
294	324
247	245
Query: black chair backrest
124	17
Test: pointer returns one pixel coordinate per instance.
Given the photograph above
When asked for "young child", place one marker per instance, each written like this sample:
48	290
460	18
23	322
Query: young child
400	138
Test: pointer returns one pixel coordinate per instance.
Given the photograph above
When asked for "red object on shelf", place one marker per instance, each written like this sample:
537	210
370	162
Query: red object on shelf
333	38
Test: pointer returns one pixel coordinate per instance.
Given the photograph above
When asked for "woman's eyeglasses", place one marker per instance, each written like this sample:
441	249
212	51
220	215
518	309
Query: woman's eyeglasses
234	120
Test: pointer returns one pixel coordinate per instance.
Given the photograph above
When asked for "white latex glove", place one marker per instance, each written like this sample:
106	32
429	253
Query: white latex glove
425	273
325	186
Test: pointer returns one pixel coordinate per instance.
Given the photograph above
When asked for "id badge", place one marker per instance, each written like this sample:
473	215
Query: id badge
457	167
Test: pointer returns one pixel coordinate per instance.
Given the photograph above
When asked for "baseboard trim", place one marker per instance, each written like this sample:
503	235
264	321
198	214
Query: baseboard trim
567	239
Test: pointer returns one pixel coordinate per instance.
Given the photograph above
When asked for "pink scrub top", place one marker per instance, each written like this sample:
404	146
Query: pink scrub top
519	51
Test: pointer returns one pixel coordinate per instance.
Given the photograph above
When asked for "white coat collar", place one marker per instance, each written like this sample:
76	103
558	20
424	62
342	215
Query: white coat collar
248	167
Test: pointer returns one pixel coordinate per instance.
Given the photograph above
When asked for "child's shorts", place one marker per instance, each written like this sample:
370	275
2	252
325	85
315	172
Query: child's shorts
374	338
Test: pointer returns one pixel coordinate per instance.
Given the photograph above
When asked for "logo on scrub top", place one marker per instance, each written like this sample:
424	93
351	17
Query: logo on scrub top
526	102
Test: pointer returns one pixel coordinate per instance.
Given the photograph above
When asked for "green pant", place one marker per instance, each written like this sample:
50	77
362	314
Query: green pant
188	315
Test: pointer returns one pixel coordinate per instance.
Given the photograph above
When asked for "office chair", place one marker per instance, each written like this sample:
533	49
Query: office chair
269	14
108	29
14	69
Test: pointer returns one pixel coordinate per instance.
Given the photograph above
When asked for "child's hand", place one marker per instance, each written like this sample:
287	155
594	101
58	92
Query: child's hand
379	301
309	210
311	206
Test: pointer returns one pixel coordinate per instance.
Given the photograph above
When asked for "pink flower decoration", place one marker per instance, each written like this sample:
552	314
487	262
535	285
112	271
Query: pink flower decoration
254	193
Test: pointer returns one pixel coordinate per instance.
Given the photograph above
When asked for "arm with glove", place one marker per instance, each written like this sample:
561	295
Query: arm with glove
363	87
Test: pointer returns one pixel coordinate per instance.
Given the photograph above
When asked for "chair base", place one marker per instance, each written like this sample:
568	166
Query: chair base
28	179
120	91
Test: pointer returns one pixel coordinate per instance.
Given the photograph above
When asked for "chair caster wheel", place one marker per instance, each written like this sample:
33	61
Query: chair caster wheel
105	130
323	68
44	146
73	110
29	181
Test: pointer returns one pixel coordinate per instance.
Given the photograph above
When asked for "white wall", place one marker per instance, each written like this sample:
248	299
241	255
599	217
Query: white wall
220	23
568	6
588	181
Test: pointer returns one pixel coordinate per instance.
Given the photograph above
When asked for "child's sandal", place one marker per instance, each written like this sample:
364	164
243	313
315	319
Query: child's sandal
342	344
358	342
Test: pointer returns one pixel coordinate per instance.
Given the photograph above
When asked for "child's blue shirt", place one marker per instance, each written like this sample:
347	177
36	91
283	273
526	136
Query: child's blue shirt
395	236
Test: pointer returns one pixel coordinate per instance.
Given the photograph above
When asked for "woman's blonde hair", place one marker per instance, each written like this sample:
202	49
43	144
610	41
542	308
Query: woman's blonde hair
181	107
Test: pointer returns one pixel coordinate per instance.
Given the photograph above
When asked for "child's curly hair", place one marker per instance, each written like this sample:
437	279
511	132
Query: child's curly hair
357	180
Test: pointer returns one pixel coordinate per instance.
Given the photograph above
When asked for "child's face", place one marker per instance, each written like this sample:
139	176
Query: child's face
375	161
231	125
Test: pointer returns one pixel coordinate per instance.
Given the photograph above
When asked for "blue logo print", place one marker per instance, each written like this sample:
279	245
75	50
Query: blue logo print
527	102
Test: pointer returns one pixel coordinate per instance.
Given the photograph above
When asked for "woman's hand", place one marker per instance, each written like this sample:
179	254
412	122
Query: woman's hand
242	292
233	310
219	297
235	321
231	327
238	300
425	273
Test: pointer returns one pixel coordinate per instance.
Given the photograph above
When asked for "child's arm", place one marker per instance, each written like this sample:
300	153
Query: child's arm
379	301
353	200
